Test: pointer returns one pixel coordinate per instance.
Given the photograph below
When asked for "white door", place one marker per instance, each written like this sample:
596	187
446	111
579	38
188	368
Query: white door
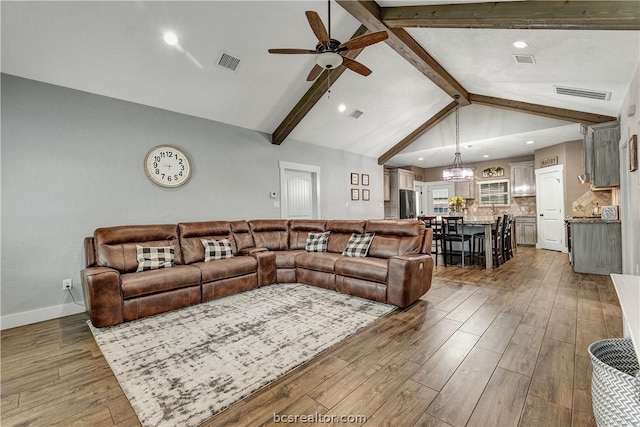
550	206
421	206
299	190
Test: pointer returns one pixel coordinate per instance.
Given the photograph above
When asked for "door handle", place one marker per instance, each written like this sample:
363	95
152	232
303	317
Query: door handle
541	214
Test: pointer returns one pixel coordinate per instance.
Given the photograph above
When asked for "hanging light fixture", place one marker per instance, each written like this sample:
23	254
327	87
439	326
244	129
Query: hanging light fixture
457	171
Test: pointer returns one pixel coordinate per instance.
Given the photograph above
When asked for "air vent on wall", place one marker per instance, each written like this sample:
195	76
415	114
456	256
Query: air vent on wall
228	61
524	59
582	93
356	114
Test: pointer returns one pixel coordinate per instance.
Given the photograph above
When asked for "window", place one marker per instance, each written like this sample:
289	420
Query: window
441	201
494	193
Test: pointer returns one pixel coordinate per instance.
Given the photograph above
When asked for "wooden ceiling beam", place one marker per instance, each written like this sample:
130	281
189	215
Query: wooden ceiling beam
319	87
369	14
539	15
421	130
540	110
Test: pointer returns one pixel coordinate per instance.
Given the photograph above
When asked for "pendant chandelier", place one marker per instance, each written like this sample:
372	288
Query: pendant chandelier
457	171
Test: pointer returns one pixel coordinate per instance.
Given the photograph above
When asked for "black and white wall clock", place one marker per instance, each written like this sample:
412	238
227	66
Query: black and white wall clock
167	166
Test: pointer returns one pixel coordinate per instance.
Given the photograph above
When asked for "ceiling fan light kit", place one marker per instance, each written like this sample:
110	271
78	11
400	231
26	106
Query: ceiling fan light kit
457	171
329	60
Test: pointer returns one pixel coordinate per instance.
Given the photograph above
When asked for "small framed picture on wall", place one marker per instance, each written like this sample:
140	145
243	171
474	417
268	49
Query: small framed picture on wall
365	179
365	194
355	179
355	194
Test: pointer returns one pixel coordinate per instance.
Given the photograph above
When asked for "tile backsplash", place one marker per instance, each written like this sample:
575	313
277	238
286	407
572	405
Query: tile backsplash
520	206
583	205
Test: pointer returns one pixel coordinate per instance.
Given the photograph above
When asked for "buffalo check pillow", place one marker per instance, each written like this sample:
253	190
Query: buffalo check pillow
317	242
216	249
153	258
358	245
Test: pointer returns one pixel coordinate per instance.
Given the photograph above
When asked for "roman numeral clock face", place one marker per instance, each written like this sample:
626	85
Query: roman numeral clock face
167	166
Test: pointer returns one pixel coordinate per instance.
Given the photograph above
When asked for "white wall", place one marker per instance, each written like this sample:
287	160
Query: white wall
72	162
630	181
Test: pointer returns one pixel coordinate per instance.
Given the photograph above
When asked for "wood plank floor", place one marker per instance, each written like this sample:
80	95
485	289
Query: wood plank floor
506	347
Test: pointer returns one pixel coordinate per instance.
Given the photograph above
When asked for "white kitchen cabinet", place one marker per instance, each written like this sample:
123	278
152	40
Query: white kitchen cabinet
405	179
465	189
387	186
523	179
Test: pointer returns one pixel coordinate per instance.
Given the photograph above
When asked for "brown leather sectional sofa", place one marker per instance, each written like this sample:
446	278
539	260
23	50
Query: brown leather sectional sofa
397	269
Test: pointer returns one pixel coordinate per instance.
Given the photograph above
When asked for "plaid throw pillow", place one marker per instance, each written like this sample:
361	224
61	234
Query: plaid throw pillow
153	258
216	249
358	245
317	242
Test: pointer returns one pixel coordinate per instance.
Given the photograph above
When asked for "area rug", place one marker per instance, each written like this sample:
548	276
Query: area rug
182	367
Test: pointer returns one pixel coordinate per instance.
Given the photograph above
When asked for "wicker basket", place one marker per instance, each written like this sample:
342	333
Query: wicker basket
615	386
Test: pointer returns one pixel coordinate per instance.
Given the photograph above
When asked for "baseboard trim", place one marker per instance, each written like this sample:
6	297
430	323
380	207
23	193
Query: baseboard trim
34	316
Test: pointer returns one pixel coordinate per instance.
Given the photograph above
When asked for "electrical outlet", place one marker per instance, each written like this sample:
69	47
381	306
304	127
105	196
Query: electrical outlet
67	284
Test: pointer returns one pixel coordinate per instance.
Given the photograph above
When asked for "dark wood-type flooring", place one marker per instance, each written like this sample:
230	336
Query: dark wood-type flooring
506	347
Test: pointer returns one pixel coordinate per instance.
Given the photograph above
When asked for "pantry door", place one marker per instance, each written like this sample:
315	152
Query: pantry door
550	207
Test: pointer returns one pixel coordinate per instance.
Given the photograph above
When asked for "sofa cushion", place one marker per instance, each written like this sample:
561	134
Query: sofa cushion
116	246
341	231
299	229
192	234
317	261
287	259
358	245
242	235
272	234
374	269
216	249
154	257
155	281
317	242
226	268
395	238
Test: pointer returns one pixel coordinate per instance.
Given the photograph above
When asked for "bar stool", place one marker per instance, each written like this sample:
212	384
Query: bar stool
453	231
496	233
431	222
507	245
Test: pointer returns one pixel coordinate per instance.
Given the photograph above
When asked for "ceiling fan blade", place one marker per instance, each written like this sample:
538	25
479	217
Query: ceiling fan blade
292	51
314	73
363	41
355	66
317	26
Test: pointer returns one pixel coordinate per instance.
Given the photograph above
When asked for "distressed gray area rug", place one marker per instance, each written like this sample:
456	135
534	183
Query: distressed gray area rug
181	368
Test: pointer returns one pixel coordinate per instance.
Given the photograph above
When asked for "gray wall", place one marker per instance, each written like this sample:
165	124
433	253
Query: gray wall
72	162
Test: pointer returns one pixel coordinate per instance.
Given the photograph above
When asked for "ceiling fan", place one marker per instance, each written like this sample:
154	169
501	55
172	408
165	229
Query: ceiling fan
329	51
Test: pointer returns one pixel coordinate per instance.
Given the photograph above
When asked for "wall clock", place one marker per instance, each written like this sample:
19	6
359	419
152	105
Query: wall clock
167	166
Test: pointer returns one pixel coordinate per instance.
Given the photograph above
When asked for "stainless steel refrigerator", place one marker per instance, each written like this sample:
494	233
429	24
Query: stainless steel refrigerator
407	204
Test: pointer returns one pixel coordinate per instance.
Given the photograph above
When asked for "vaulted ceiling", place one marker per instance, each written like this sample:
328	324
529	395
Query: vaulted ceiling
433	52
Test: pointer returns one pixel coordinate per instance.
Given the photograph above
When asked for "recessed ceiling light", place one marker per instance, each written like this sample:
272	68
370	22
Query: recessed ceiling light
420	158
485	156
530	142
170	38
520	44
342	107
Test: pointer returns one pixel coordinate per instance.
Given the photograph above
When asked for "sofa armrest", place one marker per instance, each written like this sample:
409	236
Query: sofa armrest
266	267
102	295
409	278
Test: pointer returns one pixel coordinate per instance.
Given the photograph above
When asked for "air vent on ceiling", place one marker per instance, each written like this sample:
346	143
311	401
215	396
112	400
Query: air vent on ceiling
582	93
356	114
228	61
524	59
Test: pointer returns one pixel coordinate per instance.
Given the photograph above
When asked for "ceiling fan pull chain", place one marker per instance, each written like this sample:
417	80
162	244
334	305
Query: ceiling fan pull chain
328	84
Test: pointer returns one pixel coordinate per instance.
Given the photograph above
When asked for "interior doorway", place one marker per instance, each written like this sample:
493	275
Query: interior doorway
550	208
299	191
